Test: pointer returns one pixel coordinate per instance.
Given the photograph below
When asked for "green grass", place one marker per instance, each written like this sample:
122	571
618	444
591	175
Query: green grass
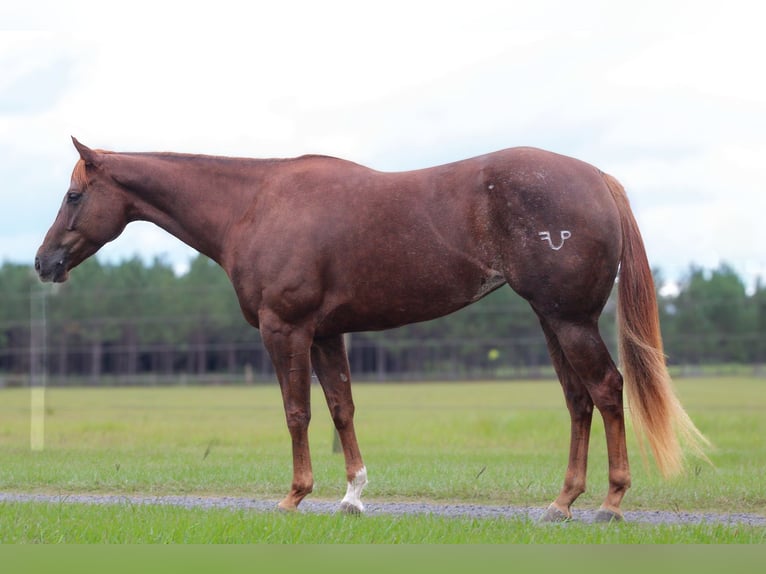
487	443
138	524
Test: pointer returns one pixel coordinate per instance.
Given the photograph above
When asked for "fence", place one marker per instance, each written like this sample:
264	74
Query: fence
63	341
225	363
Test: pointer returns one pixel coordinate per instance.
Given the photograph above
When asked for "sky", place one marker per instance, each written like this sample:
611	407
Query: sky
669	97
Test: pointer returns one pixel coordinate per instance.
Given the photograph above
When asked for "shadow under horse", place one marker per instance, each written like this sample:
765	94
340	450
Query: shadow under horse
316	247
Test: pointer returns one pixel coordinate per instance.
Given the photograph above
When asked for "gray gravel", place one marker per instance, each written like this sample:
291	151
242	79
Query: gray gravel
387	508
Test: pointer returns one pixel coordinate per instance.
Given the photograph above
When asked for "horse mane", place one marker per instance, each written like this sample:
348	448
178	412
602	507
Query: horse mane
80	174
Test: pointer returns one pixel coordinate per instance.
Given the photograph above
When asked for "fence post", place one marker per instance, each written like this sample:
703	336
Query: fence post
38	364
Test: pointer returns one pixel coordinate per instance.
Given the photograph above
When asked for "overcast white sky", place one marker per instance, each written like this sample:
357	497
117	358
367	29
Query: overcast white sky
669	96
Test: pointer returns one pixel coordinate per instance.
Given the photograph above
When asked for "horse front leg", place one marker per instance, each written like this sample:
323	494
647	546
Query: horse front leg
330	362
289	347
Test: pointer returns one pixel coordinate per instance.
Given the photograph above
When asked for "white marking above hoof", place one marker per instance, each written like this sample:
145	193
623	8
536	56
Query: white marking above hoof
352	502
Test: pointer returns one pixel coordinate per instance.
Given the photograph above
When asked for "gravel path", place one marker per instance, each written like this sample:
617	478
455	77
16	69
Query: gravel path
389	508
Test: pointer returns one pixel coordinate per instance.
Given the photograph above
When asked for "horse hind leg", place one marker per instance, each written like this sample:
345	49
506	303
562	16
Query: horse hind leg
580	406
330	362
585	352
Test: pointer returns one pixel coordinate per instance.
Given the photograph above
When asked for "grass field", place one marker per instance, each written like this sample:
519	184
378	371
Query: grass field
488	443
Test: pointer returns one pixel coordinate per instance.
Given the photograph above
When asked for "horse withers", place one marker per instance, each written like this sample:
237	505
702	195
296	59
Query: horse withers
316	247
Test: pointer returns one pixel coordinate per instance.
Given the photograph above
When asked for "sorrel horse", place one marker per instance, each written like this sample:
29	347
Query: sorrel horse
317	247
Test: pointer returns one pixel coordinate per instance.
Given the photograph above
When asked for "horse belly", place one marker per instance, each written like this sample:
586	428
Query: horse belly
394	296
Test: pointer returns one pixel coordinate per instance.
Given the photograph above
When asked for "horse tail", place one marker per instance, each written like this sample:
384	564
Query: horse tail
657	414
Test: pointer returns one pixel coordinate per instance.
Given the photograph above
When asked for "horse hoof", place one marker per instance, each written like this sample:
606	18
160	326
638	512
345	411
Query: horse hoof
555	514
349	508
287	507
606	515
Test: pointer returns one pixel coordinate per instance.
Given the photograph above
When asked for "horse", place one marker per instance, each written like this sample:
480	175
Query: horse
316	247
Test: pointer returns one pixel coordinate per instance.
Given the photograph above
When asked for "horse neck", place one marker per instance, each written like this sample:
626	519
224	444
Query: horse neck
194	198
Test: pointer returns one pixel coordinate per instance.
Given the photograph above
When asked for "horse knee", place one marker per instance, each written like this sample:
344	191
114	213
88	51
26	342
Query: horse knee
342	415
298	419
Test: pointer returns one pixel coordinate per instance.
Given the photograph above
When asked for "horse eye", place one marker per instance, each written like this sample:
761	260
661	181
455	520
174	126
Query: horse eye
73	197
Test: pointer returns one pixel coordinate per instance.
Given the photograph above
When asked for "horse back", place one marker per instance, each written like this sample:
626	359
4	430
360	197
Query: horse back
359	249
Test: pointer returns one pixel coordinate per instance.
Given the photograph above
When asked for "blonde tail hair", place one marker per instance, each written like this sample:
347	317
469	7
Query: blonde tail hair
657	414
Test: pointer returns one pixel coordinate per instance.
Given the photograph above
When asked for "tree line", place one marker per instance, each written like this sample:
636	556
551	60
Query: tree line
136	321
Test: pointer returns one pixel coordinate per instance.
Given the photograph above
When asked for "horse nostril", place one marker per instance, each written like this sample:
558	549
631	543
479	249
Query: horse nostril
37	264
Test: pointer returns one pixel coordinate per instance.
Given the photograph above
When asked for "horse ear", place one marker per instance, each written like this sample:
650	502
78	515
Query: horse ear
89	156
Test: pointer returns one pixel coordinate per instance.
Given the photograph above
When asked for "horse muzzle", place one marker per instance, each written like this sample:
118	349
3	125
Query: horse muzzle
52	266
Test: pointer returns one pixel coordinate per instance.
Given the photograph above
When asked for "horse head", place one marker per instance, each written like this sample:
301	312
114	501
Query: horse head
94	211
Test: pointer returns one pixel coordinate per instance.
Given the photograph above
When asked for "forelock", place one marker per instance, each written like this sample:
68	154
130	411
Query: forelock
80	174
